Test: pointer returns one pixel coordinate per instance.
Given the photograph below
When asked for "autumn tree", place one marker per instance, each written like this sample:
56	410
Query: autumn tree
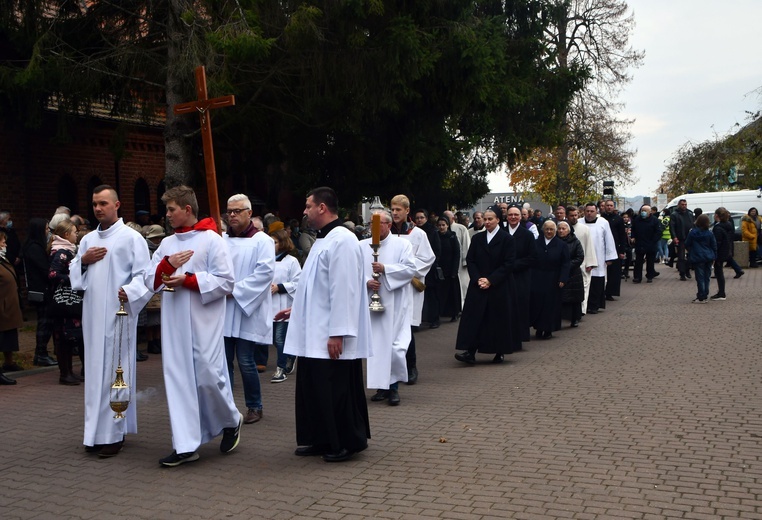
593	35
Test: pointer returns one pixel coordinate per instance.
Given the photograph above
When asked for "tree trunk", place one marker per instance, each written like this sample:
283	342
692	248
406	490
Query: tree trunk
177	147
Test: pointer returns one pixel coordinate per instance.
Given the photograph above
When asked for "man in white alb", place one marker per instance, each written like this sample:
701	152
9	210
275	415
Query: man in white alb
109	267
391	328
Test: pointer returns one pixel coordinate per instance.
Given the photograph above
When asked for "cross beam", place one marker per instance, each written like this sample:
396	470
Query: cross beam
203	105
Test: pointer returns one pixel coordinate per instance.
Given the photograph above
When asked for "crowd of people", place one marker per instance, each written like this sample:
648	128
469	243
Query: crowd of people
204	301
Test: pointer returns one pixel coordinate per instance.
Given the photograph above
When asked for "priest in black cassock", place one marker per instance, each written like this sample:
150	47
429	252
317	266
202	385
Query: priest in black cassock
487	324
526	257
329	331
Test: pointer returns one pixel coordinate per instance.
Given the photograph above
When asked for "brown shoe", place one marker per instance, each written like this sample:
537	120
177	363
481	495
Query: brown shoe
252	416
111	450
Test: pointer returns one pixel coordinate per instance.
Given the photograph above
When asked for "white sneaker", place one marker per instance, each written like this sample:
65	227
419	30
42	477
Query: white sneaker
279	376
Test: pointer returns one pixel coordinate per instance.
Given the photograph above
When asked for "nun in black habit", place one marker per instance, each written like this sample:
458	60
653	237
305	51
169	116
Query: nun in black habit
488	323
549	275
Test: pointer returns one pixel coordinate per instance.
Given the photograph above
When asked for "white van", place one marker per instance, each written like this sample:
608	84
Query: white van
734	201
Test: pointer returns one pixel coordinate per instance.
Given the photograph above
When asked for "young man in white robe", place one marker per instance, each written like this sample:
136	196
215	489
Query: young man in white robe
423	256
605	252
109	267
196	263
330	333
248	314
391	328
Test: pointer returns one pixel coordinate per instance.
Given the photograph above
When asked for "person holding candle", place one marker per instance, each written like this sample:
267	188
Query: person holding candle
390	328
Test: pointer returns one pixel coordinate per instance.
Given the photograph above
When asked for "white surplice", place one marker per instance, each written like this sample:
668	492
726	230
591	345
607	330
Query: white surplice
331	300
249	313
591	260
424	258
199	396
391	328
287	273
464	240
603	243
124	265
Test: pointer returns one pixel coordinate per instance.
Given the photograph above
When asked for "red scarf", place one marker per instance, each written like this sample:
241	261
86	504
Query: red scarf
206	224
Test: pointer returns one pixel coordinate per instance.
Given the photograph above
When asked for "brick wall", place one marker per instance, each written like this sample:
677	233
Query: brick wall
38	174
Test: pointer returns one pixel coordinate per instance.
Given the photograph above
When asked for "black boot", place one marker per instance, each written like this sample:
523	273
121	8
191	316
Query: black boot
41	357
64	366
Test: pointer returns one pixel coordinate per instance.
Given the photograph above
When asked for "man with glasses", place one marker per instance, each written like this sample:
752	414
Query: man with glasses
248	310
390	328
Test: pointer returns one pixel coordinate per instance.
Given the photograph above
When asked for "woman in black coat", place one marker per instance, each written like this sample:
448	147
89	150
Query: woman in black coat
488	323
449	259
36	266
573	293
549	275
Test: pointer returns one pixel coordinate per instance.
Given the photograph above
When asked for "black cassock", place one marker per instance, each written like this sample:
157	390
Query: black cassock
526	257
552	266
488	322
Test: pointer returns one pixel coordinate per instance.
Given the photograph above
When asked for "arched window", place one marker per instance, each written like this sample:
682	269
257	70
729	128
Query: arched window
160	189
67	193
142	196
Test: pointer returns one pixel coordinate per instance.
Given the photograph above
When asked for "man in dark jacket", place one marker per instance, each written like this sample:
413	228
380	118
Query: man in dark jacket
646	232
680	223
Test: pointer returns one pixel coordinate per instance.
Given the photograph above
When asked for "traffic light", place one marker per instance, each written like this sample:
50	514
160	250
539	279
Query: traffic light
608	189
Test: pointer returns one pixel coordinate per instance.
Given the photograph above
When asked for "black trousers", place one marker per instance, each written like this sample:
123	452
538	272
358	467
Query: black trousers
720	276
614	278
650	258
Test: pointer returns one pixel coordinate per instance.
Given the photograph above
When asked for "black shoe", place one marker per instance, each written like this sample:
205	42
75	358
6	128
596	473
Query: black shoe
739	275
688	275
592	311
13	367
141	356
610	299
636	281
44	361
290	364
683	278
538	334
175	459
69	380
575	323
231	436
466	357
394	397
111	450
339	456
412	376
311	451
498	358
434	325
5	380
657	273
547	335
380	395
93	449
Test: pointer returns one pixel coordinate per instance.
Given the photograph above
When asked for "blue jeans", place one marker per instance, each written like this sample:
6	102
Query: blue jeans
662	252
244	351
702	271
279	339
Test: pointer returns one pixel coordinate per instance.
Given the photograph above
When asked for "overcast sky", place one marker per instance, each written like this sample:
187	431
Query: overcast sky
702	66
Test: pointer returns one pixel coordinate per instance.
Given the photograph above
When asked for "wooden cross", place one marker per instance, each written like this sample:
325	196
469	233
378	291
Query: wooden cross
202	106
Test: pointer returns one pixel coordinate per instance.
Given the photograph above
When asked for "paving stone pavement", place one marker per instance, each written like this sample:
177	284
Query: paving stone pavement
648	410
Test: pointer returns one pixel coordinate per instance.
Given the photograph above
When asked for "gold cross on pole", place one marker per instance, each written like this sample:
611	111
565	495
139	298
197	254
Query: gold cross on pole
203	105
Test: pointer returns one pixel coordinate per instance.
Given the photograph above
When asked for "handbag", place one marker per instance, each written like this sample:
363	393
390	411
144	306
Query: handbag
66	303
32	296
